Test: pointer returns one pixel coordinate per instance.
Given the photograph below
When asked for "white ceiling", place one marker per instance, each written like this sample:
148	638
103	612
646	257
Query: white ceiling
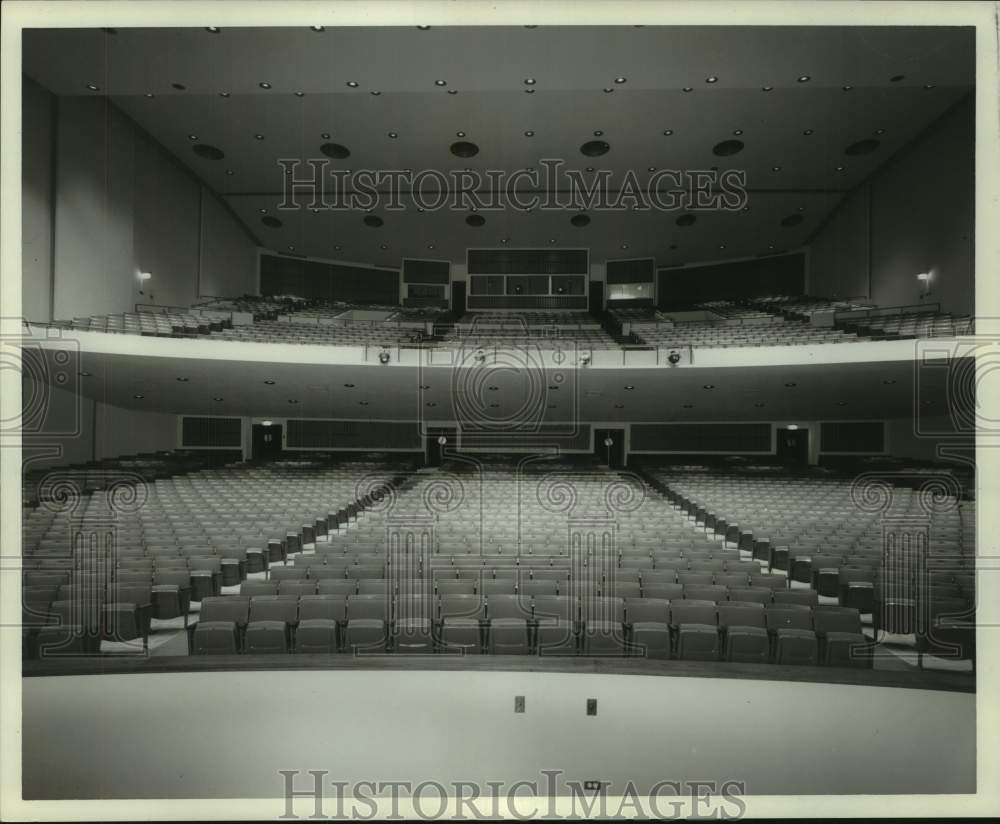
487	66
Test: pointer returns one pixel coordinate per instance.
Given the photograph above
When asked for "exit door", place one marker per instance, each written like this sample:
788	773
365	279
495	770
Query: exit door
266	442
793	447
609	447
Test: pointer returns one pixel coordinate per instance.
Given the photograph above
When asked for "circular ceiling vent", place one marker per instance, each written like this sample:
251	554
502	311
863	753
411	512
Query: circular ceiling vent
686	220
595	148
271	222
463	148
373	220
475	220
791	220
727	148
335	150
580	220
208	152
862	147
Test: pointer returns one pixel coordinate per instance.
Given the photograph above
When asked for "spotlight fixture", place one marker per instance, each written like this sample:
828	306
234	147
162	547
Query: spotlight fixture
440	82
93	87
212	29
529	81
217	399
766	88
667	132
269	382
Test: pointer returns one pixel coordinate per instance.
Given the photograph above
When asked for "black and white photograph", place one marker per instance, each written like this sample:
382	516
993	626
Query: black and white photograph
513	410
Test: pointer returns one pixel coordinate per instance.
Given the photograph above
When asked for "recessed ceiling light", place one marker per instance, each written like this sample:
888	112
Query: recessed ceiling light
383	246
650	168
264	84
192	137
619	406
212	29
269	382
292	400
423	28
393	135
375	93
352	83
505	240
362	403
589	169
629	387
221	94
687	405
85	374
791	384
148	94
880	131
258	137
217	399
896	78
318	28
804	78
620	80
624	246
529	81
840	168
712	79
431	403
766	88
608	90
928	85
775	168
737	132
888	382
687	89
529	133
722	245
230	172
807	132
667	132
300	94
452	91
93	88
424	386
529	91
841	403
291	248
179	86
598	133
759	405
183	380
138	397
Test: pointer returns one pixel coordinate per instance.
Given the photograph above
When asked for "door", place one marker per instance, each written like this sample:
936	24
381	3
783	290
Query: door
458	297
793	447
596	297
266	442
609	447
435	450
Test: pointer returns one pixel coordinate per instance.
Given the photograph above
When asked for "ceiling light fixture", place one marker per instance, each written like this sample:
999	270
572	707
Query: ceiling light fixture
264	84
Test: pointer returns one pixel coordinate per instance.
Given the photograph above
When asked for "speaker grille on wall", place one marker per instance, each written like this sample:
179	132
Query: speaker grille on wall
426	271
852	436
211	432
527	302
701	437
528	262
640	270
324	434
280	275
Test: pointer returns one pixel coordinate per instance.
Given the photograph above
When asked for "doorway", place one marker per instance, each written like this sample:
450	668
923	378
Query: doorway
609	447
458	297
792	447
266	442
435	450
596	297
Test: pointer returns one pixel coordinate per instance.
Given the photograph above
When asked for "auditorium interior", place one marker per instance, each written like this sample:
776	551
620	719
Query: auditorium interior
403	490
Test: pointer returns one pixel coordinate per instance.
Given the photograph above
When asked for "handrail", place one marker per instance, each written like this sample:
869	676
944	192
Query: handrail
887	311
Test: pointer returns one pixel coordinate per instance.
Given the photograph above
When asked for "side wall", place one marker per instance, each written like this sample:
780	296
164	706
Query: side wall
103	202
915	215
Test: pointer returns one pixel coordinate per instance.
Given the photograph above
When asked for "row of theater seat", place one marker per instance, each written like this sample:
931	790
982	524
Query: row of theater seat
689	630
